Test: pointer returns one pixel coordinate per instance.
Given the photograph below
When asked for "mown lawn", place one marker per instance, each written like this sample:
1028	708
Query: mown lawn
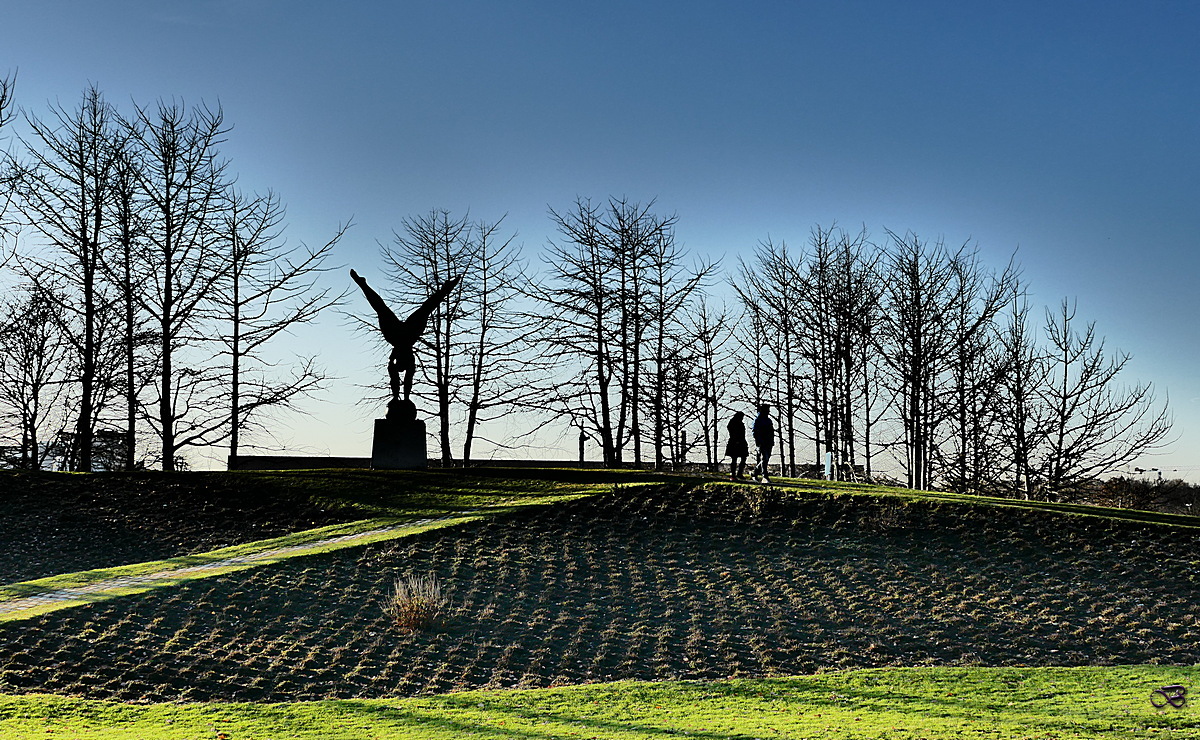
896	704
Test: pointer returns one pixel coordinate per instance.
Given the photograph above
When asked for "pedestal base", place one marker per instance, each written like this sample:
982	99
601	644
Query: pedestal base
399	445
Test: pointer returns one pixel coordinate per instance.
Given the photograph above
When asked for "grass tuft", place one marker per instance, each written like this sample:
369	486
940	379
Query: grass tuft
417	603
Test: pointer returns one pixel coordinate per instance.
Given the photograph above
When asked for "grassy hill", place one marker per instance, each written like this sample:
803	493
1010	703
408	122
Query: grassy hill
60	522
651	578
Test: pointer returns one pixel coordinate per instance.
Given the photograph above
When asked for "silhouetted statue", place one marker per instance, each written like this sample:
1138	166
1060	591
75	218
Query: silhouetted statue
403	336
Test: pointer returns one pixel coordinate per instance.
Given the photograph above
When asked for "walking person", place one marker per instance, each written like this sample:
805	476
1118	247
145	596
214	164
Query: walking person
736	448
764	440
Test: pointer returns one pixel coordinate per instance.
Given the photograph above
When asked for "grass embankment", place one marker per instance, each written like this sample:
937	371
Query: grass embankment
90	586
654	583
394	498
59	523
837	488
661	583
896	704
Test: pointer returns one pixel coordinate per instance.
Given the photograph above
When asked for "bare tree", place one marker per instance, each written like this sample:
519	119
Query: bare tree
7	99
838	303
65	194
1095	425
503	366
34	361
750	333
184	183
124	269
769	289
708	331
812	321
671	289
651	287
7	171
937	339
916	341
631	231
579	299
429	250
682	404
270	289
1023	370
974	371
617	288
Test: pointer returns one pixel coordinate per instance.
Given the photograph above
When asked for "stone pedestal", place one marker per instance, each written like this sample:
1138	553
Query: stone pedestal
399	445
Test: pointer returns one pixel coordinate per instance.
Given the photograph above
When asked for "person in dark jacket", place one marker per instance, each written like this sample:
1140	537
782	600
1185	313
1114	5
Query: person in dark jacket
736	447
764	440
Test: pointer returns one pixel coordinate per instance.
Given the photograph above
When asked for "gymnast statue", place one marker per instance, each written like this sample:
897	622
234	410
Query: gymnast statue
403	335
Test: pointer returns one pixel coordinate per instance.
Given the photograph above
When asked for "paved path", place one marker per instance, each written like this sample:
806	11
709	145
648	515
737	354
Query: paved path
77	595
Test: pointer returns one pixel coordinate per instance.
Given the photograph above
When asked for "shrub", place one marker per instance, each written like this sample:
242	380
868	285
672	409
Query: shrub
417	603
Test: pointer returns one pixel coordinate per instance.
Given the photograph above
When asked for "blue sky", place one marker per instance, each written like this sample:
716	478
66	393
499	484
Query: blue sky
1063	131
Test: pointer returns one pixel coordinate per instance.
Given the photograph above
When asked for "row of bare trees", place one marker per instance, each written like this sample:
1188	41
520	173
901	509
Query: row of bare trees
147	285
616	296
917	350
599	338
911	354
148	288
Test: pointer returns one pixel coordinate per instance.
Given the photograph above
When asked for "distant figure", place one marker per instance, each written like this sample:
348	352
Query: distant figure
736	447
403	335
764	440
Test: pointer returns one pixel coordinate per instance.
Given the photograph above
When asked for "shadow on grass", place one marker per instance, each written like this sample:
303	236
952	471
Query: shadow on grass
423	492
556	722
510	481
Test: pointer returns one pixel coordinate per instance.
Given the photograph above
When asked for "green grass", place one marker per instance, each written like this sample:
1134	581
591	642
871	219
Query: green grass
926	703
897	704
803	486
403	497
22	589
88	577
100	575
382	493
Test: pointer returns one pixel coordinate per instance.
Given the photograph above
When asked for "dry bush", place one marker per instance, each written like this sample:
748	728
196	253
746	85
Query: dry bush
417	603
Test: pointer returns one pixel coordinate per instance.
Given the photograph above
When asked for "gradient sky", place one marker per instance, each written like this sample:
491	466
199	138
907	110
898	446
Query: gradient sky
1065	132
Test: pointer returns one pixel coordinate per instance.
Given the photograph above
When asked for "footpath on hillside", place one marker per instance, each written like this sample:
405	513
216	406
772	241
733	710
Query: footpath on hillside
53	599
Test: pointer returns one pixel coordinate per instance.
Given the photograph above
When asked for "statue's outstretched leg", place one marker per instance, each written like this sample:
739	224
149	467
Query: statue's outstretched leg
416	321
389	323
